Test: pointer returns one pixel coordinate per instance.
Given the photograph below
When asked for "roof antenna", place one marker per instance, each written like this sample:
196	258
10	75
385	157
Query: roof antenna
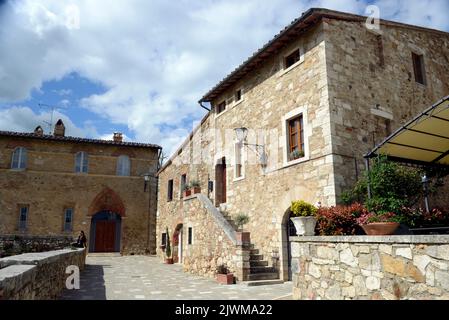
50	124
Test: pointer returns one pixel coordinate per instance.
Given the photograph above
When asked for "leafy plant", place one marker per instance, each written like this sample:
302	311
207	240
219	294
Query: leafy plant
339	220
168	247
241	219
302	209
186	187
296	154
194	183
392	187
222	269
370	217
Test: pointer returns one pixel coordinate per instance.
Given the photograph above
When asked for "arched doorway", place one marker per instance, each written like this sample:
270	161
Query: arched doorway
288	230
107	211
105	230
177	244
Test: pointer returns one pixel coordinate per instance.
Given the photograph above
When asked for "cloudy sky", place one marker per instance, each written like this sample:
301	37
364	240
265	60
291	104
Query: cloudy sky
139	66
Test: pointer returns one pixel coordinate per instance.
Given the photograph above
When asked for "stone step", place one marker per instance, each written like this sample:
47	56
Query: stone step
258	263
261	282
263	276
255	257
261	269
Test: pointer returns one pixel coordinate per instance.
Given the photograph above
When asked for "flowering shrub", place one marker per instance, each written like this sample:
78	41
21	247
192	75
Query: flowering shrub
370	217
339	220
418	217
302	209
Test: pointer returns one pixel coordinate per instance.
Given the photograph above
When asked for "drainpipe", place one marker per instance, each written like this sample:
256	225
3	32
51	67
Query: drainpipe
202	106
368	169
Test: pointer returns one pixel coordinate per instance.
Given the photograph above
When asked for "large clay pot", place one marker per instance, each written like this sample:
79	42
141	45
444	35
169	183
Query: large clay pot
380	228
243	237
169	260
305	226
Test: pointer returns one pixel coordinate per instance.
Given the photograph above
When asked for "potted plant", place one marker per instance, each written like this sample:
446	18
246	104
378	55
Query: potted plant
242	236
168	258
195	185
379	224
296	154
186	190
304	218
224	276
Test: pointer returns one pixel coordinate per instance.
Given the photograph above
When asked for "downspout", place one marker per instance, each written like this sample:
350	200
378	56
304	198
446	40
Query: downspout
202	106
369	182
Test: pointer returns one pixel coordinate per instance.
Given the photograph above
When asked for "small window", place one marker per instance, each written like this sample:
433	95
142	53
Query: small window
292	58
68	219
19	158
23	218
170	190
81	162
221	107
238	173
123	166
182	184
296	138
238	95
164	239
190	234
418	68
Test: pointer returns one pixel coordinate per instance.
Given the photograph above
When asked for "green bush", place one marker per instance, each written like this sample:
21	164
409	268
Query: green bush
392	187
241	219
301	208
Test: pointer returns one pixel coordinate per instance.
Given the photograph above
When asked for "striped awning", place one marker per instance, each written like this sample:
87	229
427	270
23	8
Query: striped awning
422	141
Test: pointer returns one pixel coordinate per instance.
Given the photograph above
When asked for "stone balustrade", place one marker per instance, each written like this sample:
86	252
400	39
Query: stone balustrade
370	267
37	275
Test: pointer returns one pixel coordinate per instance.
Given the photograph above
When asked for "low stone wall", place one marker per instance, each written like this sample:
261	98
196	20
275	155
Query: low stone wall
37	275
370	267
17	244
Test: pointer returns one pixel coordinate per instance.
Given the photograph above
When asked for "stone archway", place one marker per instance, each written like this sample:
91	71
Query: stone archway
106	211
287	230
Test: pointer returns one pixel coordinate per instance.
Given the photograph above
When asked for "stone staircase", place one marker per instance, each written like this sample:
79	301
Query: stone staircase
260	271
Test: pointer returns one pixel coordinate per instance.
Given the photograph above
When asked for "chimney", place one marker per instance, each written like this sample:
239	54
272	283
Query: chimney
59	129
118	137
39	131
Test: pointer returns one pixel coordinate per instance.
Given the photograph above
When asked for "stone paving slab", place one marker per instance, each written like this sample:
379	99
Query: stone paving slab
145	277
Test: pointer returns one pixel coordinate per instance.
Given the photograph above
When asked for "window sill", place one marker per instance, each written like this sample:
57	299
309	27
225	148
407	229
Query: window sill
295	162
221	113
237	103
18	169
285	71
239	179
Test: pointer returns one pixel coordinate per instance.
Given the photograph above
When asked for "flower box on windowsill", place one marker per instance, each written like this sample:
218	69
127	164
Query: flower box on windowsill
196	190
295	155
187	193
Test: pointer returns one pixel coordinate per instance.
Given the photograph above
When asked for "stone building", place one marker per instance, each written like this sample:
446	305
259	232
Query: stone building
57	185
315	99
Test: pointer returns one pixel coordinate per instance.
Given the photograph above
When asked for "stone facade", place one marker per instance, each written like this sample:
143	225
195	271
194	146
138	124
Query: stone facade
38	276
377	268
49	185
339	85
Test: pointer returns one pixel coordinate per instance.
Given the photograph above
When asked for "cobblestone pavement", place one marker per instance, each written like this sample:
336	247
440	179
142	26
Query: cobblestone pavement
144	277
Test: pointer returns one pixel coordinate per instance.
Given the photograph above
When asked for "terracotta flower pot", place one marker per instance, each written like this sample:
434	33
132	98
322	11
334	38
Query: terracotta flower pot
243	237
187	193
225	278
196	190
169	260
380	228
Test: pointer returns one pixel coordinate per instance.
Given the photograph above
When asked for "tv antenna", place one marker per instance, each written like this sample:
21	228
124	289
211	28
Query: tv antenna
49	123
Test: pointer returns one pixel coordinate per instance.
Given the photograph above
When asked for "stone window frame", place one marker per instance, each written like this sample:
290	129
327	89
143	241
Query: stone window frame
170	189
84	155
181	192
234	161
225	101
23	227
301	49
22	158
123	170
242	96
302	110
419	55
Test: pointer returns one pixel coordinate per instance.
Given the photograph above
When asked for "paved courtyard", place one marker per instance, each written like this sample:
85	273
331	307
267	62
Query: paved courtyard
144	277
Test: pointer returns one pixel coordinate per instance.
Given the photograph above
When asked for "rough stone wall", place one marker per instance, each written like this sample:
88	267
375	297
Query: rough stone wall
37	276
49	185
12	245
265	194
372	87
377	268
211	245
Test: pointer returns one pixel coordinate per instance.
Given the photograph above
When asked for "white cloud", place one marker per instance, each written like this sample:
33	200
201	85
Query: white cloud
156	58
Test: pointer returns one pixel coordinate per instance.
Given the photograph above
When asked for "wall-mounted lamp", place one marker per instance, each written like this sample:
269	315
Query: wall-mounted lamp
241	134
146	178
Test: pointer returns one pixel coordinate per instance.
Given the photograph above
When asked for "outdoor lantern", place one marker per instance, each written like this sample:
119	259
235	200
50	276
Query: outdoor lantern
241	134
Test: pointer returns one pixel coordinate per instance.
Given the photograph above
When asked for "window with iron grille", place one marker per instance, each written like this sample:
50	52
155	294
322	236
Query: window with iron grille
23	218
68	219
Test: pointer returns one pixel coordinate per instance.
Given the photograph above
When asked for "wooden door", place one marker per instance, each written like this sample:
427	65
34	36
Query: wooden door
105	236
220	181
